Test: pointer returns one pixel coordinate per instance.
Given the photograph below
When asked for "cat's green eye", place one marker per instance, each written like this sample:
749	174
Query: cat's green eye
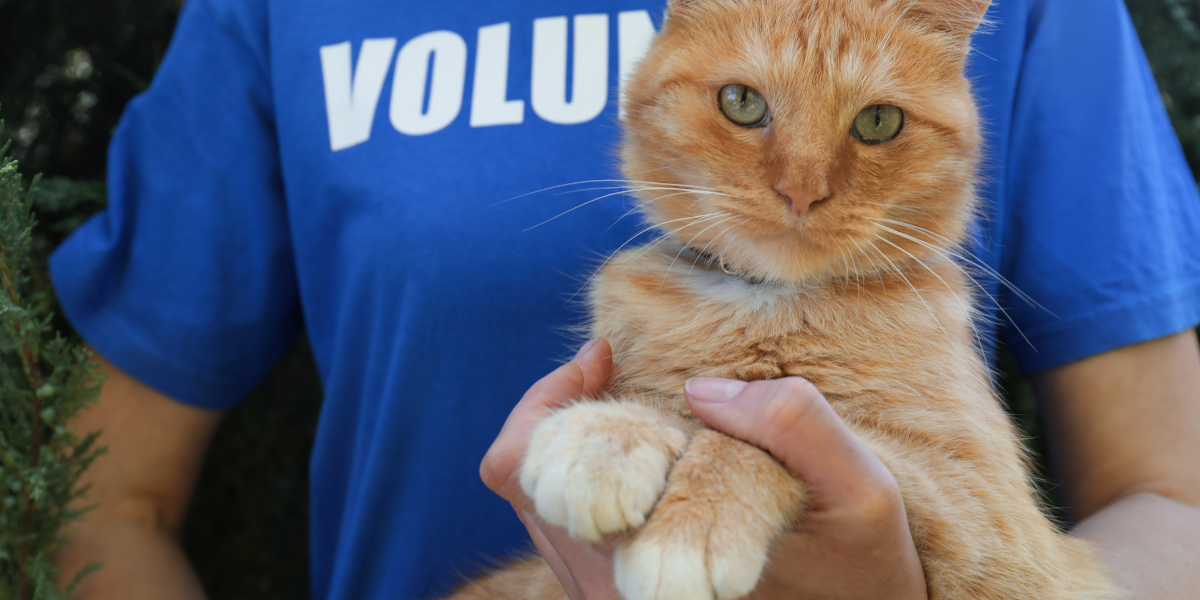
877	124
743	105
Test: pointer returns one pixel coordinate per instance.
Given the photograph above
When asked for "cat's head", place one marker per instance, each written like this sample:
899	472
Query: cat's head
802	140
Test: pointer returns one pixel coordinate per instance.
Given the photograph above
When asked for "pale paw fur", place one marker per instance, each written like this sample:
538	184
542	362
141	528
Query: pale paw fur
708	538
687	559
595	468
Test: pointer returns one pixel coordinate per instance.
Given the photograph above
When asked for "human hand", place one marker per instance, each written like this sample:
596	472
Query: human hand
853	541
584	570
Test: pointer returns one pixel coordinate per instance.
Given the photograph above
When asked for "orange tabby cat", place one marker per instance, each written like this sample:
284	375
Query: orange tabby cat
819	159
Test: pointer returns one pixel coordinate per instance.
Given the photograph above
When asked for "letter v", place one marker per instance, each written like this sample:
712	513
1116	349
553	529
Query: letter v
350	105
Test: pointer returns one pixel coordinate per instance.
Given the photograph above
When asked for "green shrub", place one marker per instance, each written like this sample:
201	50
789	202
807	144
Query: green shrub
44	380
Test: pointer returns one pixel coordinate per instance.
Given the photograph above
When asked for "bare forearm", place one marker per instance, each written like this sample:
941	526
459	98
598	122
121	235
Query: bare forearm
1150	544
140	489
137	561
1124	424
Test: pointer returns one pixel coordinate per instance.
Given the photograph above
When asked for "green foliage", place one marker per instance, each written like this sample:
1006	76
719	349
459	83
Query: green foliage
44	380
62	205
1170	32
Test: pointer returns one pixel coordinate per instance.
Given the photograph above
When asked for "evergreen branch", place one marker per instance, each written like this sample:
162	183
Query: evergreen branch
44	381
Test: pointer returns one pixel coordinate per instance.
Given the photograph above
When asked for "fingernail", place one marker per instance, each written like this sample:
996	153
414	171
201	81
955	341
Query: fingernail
586	348
713	389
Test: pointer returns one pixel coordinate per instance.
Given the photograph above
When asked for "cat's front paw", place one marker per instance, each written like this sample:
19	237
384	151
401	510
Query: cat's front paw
681	554
598	467
709	535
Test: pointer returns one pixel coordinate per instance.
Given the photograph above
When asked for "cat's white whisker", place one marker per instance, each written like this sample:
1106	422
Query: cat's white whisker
631	211
948	287
918	209
858	275
851	272
559	186
920	262
978	285
632	189
626	243
629	187
591	181
706	246
573	209
871	263
696	317
619	193
643	204
962	254
672	233
686	246
912	287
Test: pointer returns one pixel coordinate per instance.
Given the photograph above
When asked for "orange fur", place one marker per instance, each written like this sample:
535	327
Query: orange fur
859	295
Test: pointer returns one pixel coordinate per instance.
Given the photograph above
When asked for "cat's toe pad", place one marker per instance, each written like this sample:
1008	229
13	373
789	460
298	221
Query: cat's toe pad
598	467
661	572
687	560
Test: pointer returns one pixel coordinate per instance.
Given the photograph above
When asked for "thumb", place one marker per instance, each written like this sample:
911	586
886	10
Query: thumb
585	375
794	422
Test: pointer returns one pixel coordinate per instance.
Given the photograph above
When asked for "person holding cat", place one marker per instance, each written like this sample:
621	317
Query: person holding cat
254	193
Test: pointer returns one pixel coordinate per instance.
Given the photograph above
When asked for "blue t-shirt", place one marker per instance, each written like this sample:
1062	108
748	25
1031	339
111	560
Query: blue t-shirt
342	167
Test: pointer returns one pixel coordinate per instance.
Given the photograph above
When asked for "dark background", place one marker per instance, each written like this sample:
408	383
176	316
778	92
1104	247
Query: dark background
67	68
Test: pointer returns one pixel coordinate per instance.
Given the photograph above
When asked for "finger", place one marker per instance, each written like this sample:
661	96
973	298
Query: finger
583	569
551	556
595	361
792	421
584	375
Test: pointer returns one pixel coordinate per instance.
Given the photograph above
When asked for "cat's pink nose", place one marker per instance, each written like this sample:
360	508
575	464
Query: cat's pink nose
801	200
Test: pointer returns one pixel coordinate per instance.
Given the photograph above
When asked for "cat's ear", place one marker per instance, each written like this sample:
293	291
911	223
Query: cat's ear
958	18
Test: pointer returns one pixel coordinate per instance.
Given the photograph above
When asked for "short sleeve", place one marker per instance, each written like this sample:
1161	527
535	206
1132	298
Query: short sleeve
1103	217
187	280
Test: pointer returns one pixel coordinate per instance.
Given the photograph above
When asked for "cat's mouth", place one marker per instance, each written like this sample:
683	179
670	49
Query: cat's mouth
703	259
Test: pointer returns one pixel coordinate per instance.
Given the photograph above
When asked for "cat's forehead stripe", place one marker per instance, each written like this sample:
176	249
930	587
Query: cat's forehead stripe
787	72
860	55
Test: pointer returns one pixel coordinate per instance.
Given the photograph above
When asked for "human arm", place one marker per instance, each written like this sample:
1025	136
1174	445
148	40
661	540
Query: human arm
1123	428
584	570
1124	434
857	535
141	487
